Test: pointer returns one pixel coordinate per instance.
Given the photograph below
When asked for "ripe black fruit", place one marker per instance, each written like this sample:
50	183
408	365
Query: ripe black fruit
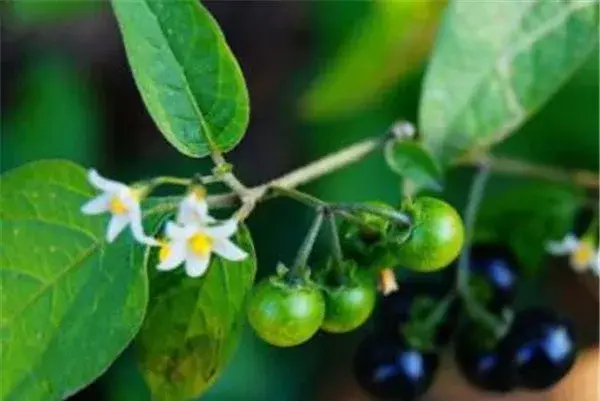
544	348
391	369
484	362
497	268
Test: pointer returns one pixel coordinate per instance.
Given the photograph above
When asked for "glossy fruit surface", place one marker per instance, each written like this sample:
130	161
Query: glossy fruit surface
400	307
436	237
497	268
349	305
544	348
489	367
390	369
285	315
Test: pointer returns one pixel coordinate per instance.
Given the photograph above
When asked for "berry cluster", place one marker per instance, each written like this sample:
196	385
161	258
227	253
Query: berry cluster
535	349
286	312
287	309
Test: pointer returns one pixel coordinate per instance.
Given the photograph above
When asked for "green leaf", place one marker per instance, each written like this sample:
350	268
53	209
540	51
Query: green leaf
526	218
497	62
193	325
190	81
392	41
413	162
70	303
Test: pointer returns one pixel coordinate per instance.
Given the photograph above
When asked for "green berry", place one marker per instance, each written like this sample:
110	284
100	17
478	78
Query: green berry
285	314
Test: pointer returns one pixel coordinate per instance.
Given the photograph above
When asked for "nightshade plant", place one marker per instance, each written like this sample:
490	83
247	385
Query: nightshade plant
81	288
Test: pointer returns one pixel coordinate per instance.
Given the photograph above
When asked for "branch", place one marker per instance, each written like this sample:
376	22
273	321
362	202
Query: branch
505	165
319	168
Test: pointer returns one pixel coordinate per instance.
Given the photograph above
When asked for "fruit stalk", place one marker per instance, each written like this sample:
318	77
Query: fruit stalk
307	246
394	215
335	238
462	282
474	201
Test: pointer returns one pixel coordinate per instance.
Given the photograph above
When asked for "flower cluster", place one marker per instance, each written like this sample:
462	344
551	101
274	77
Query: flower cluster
190	239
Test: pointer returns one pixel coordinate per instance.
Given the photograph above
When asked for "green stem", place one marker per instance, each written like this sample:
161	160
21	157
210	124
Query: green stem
307	246
474	201
394	215
439	312
335	238
299	196
170	180
462	283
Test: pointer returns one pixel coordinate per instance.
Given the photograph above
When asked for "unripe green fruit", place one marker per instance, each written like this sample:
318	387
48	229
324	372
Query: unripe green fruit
436	237
285	315
348	306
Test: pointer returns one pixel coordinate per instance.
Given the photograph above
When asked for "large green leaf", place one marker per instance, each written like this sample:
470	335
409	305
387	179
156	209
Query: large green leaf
526	217
392	40
70	303
193	325
495	63
188	77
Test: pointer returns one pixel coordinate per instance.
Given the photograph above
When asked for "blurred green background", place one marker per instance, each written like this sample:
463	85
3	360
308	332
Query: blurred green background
67	93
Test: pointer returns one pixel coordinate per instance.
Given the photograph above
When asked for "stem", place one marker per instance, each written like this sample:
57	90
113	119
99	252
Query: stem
330	163
299	196
394	215
307	246
505	165
223	172
335	238
475	197
314	170
438	313
170	180
462	284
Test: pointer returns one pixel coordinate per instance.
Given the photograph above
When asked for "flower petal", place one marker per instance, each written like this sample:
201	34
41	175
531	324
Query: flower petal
103	183
193	210
179	232
196	266
223	230
175	258
568	244
97	205
115	226
228	250
135	217
184	209
595	263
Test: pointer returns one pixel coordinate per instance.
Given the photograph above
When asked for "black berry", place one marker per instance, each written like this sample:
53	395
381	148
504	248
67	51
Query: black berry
496	267
544	348
485	363
391	369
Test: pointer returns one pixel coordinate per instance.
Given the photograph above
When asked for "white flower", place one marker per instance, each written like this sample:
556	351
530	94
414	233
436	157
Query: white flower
582	254
194	244
194	209
122	202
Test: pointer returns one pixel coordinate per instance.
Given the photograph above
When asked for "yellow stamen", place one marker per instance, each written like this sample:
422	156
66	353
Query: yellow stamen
201	244
581	257
199	192
116	206
164	252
